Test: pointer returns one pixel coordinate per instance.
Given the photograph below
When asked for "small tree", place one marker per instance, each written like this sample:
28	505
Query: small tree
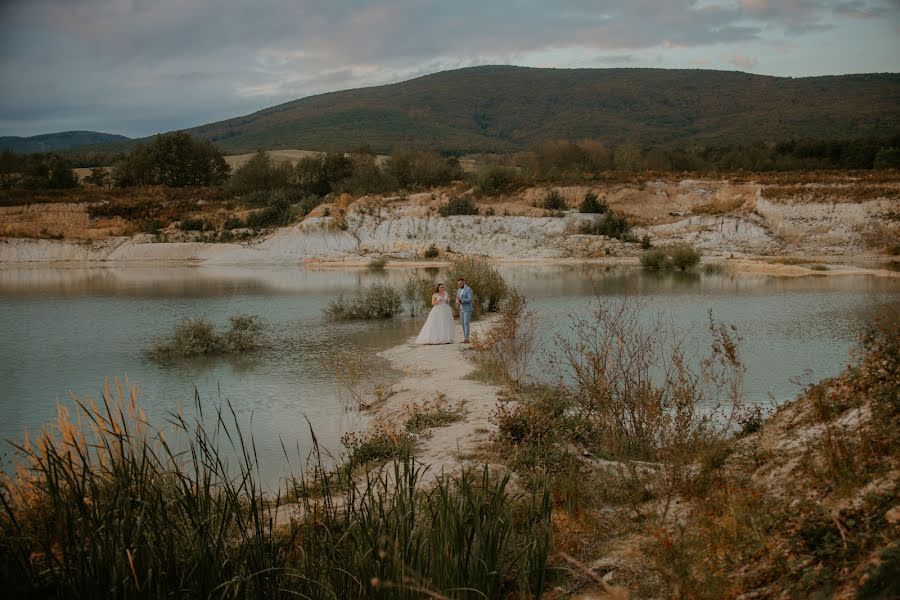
554	201
261	173
99	176
592	205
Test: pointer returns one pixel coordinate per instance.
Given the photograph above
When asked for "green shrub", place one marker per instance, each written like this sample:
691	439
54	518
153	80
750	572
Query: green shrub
278	213
592	204
431	251
677	256
151	226
417	291
646	242
458	206
198	337
488	286
554	201
655	259
195	225
261	172
233	223
683	256
378	301
609	225
495	180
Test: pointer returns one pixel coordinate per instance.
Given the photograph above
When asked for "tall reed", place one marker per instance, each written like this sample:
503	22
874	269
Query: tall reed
102	505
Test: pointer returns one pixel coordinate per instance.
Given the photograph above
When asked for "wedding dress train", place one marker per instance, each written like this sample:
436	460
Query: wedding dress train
438	328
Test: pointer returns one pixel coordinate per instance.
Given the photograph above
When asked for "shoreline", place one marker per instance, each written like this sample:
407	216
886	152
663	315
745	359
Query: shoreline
746	264
439	376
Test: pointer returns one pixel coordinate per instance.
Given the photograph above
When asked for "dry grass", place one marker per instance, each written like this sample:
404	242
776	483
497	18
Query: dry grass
507	351
836	193
719	205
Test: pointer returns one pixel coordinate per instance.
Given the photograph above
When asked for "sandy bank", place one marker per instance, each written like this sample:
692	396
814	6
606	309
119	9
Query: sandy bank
430	371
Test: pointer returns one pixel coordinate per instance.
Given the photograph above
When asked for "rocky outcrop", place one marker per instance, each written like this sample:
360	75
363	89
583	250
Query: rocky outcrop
720	217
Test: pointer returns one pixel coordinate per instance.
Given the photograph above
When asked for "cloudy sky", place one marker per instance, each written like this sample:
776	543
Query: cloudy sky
138	67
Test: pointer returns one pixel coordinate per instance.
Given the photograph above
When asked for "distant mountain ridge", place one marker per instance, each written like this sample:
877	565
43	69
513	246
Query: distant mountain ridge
51	142
506	108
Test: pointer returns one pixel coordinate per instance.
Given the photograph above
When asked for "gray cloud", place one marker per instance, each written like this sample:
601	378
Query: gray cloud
141	66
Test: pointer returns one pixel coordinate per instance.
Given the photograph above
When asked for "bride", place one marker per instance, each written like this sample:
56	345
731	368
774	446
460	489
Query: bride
438	329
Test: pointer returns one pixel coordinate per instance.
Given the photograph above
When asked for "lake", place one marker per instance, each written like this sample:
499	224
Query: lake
66	329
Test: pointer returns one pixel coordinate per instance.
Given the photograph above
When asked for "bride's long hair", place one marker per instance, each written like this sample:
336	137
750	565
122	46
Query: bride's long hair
437	290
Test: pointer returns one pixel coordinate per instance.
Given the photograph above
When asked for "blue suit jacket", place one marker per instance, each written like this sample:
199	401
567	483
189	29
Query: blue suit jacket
465	297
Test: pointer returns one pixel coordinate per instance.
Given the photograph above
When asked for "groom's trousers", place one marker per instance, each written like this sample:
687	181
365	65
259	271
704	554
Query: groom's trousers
465	318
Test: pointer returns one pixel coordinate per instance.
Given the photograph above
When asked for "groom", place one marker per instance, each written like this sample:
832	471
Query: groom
464	299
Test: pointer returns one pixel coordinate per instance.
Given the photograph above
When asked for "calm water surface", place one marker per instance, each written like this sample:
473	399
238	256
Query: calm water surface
65	330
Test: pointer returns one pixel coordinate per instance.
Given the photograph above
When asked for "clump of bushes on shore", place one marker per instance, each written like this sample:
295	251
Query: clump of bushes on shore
417	290
115	510
378	301
489	287
610	224
681	256
198	337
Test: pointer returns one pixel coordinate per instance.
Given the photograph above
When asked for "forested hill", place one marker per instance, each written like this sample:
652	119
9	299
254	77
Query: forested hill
506	108
50	142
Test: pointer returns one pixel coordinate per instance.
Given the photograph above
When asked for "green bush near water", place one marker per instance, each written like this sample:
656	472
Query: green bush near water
487	284
610	225
378	301
677	256
118	511
198	337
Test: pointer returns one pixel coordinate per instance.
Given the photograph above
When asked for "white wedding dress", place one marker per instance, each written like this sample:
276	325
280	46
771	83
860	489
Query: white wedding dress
438	329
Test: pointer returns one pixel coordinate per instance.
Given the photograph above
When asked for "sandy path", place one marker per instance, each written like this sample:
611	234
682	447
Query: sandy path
428	372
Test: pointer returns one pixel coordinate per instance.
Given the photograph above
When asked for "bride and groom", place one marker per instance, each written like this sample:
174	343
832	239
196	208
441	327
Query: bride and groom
439	329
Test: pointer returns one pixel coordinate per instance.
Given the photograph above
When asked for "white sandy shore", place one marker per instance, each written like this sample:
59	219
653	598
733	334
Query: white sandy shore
428	372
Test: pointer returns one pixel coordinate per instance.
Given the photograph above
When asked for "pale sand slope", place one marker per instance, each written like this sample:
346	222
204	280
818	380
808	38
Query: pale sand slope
428	372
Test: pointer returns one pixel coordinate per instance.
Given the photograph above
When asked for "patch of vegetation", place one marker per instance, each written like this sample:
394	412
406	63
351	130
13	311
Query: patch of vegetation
496	180
199	337
505	353
174	160
488	286
377	264
680	256
592	204
431	251
36	171
279	212
116	510
378	301
195	224
610	225
376	447
554	201
431	414
261	173
460	205
417	291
